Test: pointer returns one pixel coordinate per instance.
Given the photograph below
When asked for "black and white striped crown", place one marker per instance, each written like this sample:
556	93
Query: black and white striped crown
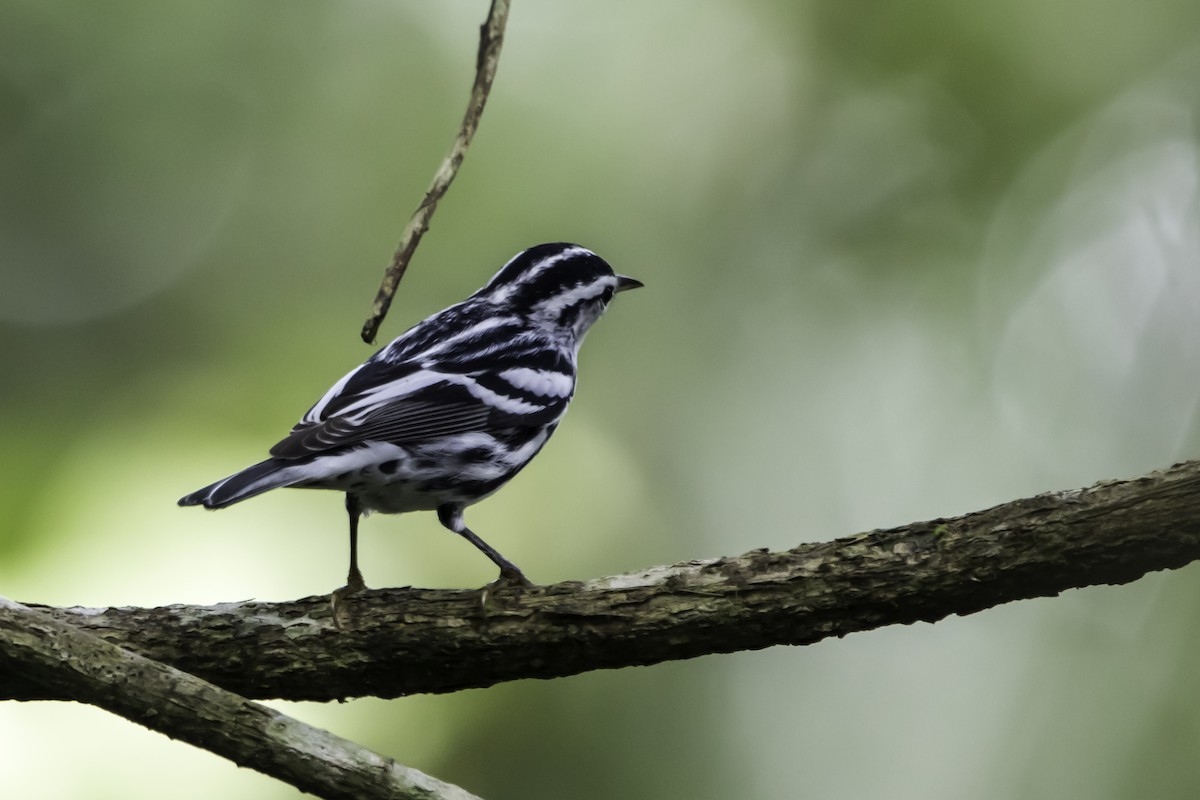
549	274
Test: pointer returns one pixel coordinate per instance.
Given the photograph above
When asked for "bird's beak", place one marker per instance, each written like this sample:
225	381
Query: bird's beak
625	282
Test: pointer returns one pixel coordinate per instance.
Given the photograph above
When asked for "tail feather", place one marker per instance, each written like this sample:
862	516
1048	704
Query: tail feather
252	481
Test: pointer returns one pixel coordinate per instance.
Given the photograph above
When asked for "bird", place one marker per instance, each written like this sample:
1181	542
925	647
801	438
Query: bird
450	410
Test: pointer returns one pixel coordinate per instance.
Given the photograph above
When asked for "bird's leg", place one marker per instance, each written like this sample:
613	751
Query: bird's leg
451	516
354	578
510	573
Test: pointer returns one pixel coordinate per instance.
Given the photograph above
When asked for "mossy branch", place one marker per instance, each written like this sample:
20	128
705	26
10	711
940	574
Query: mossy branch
404	641
71	663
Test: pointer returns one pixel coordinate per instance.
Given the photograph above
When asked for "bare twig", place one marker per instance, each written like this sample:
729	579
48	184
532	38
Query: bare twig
413	640
491	38
76	665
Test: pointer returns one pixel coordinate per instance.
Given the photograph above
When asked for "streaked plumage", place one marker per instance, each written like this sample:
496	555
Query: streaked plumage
453	408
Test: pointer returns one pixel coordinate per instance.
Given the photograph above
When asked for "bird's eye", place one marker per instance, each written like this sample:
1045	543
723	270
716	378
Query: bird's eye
607	295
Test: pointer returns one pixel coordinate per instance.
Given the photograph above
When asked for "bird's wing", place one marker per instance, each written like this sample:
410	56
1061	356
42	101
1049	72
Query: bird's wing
404	404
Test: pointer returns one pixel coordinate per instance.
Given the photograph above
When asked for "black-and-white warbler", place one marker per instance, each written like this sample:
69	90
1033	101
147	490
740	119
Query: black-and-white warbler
452	409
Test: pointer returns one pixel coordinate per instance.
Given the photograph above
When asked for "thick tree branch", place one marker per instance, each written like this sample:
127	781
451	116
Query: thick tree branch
491	38
73	664
414	640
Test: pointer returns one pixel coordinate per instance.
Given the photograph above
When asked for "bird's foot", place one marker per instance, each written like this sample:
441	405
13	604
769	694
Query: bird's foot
510	581
354	585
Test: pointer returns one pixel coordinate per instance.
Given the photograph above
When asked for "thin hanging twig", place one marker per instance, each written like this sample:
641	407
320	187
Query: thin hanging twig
491	37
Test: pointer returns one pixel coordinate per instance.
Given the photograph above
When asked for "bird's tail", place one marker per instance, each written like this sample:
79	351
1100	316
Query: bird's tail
262	477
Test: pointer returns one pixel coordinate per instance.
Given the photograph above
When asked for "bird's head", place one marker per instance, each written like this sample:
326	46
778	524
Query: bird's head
563	288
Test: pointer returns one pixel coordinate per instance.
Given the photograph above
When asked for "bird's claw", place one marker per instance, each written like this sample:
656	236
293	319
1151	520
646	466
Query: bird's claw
510	580
354	585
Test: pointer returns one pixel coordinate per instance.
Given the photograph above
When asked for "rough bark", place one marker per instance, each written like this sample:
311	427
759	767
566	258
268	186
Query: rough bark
404	641
80	666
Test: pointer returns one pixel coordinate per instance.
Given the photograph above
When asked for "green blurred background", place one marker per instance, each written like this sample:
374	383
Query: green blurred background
902	261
